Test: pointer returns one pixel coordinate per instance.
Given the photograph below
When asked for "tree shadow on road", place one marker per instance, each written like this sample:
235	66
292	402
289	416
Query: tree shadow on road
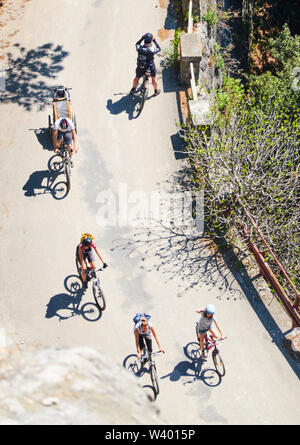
28	73
196	260
67	305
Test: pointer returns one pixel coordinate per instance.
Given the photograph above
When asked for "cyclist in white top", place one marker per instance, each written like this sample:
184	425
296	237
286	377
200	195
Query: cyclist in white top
142	332
64	130
206	320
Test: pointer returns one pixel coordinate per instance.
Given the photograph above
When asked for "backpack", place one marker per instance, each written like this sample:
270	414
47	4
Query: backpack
142	59
140	315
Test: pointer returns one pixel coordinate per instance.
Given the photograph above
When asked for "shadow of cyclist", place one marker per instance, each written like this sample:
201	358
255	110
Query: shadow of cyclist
67	305
128	104
193	369
45	182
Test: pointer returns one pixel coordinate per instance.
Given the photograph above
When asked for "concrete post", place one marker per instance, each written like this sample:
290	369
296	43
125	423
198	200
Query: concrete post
191	49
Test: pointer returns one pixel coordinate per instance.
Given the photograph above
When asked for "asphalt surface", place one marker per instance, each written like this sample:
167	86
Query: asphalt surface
90	46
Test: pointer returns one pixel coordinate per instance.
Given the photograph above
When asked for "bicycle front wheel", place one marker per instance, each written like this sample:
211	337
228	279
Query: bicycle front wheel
154	378
68	175
218	362
99	296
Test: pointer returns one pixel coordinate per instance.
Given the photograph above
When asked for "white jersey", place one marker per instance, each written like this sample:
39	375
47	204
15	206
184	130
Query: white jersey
139	328
58	127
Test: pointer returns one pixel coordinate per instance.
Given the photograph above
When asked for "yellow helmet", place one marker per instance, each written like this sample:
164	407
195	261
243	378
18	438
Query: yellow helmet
86	235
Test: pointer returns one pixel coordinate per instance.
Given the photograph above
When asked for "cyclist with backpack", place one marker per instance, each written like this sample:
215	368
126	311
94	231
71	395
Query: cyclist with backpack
143	331
84	253
145	61
205	323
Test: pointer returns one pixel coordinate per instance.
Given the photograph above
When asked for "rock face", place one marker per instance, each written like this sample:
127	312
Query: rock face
77	386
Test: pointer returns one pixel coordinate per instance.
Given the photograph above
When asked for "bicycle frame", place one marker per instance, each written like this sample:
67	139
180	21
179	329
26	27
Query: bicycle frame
210	342
91	274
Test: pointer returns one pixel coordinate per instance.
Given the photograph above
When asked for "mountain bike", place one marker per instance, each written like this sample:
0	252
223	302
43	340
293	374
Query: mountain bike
91	275
147	357
209	343
66	164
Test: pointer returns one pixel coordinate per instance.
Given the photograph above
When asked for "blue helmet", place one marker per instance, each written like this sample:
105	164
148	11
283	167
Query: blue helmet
148	37
210	309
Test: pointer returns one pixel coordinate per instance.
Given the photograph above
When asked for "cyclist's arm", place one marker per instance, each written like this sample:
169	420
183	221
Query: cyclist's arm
73	132
155	336
157	49
138	43
98	253
218	327
54	137
136	335
199	311
81	256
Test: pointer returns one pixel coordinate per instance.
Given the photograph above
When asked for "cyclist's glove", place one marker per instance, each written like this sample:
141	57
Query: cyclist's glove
105	265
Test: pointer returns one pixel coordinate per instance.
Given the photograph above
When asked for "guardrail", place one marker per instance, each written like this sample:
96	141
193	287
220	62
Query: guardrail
292	308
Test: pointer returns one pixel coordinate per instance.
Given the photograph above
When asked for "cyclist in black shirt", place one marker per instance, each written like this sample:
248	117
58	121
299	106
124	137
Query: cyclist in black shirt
145	61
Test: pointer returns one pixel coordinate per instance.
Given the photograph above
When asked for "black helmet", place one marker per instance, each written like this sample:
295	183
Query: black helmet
60	92
148	37
87	241
64	124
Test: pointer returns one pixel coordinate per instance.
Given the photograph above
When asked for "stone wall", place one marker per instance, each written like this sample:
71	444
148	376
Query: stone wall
198	47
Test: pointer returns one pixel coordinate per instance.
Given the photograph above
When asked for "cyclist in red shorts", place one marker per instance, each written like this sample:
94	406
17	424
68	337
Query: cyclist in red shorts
85	253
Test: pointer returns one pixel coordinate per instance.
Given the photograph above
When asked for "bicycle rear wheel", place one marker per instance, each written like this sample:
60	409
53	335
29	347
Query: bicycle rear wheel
218	362
154	378
144	93
99	296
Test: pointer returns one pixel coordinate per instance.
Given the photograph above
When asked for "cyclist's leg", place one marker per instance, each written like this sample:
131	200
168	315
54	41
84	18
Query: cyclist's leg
69	142
154	81
83	269
91	259
59	140
141	345
148	341
138	74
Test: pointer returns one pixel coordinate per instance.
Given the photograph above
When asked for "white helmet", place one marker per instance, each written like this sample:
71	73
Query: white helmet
210	309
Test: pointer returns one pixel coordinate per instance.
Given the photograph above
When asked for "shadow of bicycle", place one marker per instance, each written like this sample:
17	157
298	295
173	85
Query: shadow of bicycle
68	305
133	365
193	369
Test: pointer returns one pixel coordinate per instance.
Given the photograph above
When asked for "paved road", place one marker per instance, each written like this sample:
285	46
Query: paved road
90	47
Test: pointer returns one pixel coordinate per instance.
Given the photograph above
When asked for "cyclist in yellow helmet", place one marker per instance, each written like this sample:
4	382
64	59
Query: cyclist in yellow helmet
85	253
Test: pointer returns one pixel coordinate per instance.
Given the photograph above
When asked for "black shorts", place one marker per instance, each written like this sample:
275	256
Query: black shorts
65	136
87	255
145	340
139	72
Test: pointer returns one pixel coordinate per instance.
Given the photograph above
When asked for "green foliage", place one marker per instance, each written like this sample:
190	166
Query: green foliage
172	54
219	60
276	88
230	95
195	16
211	17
